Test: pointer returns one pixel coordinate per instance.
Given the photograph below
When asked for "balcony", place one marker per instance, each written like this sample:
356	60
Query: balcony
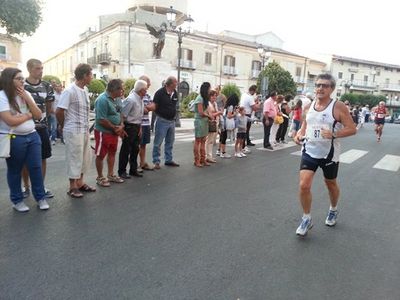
228	70
299	79
254	74
104	58
3	56
186	64
92	60
390	87
360	85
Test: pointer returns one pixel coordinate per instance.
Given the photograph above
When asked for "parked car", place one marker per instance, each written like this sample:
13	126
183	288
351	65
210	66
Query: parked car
397	120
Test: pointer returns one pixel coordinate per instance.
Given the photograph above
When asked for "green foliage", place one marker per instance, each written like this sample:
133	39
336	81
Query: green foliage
128	86
362	99
230	89
279	79
185	105
51	78
96	87
103	82
20	16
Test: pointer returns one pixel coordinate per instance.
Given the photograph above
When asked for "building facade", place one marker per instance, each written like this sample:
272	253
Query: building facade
10	51
123	48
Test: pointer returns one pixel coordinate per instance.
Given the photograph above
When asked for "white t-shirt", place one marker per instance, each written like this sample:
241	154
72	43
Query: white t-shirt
76	103
247	101
22	129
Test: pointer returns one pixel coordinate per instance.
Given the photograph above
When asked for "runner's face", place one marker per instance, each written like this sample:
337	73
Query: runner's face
323	89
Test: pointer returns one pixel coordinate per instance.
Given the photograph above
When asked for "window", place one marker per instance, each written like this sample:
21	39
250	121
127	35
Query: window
340	75
208	58
387	80
351	77
229	61
256	65
3	52
298	71
365	78
187	54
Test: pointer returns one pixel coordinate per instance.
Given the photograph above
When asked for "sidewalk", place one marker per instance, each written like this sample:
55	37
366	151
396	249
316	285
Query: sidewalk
186	125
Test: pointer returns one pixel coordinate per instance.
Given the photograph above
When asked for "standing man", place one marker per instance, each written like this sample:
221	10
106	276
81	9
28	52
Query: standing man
73	116
165	100
132	113
248	102
108	127
53	120
269	114
326	121
380	112
145	138
43	94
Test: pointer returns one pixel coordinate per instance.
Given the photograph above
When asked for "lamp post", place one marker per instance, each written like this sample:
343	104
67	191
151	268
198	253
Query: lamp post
264	55
171	16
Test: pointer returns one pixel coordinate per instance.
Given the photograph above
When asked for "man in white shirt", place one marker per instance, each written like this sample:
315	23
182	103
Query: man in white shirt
248	102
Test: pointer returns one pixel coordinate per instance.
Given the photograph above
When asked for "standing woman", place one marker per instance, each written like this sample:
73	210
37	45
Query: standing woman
212	126
201	117
17	111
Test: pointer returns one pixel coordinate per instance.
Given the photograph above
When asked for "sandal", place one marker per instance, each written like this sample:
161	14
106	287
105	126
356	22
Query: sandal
102	181
75	193
87	188
147	167
115	178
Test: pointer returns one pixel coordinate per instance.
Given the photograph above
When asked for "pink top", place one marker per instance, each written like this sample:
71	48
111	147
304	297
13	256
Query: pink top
270	108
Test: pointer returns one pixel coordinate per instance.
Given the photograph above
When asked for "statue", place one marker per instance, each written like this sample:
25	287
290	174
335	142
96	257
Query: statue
158	33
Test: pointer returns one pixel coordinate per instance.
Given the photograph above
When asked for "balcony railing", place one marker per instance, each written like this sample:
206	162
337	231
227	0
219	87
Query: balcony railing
363	84
104	58
187	64
92	60
228	70
390	87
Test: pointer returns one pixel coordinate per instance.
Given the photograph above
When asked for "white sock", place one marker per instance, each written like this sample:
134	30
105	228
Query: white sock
333	208
306	216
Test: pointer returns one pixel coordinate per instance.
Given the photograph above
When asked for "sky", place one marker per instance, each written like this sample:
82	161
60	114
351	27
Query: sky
366	30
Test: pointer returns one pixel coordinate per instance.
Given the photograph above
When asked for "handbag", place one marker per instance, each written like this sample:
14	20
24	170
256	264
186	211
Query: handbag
278	120
212	126
5	141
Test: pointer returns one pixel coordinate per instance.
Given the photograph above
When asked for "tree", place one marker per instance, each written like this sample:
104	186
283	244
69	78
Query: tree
279	79
96	87
128	86
51	78
20	16
230	89
363	99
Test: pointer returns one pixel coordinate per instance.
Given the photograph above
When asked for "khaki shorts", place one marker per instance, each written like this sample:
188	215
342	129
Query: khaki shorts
77	153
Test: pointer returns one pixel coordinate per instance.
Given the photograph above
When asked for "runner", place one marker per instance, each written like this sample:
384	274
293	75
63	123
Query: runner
380	112
326	121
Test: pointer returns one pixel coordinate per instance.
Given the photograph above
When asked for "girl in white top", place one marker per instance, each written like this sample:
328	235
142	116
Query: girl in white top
211	137
17	111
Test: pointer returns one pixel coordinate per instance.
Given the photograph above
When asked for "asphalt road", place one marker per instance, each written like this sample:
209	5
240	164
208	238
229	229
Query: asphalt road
222	232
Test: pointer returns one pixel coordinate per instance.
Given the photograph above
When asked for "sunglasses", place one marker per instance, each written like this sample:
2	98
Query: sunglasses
322	85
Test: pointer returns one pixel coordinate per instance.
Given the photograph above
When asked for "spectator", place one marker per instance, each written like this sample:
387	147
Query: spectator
17	111
241	134
285	110
214	113
108	127
248	102
228	117
269	114
73	116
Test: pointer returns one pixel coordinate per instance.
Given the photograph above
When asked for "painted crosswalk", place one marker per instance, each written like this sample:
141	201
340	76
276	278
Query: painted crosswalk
388	163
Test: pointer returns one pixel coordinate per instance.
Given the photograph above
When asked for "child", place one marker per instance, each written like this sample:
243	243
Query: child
241	133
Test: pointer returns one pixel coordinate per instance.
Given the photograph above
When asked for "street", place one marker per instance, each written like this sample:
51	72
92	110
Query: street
220	232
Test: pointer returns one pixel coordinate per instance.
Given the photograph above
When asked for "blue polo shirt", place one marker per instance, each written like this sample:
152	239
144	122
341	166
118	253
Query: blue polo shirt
107	109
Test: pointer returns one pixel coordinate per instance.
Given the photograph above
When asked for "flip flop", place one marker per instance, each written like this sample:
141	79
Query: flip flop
87	188
147	167
75	193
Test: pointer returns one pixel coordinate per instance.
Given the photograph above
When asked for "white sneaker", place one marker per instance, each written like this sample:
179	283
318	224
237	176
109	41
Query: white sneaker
21	207
243	155
246	150
239	155
218	153
225	155
43	205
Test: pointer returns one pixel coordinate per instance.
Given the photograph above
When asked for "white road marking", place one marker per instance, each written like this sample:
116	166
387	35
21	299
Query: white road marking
297	153
388	163
351	156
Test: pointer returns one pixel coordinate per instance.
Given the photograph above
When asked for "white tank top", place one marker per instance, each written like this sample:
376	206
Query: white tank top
315	145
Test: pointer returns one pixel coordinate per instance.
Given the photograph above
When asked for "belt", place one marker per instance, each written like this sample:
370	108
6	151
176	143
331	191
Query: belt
131	125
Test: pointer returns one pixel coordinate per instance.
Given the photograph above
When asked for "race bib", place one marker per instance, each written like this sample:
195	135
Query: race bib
380	116
314	132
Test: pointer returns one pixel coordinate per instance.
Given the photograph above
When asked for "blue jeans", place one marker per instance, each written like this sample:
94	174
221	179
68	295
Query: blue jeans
25	150
164	129
52	126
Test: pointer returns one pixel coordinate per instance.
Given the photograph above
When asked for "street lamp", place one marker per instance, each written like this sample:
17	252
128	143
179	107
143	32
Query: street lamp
264	55
171	16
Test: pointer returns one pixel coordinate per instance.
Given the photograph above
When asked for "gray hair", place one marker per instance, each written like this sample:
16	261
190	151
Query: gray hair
326	76
145	78
139	85
114	85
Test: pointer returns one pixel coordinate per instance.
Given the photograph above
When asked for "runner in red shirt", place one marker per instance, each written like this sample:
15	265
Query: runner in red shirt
380	112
